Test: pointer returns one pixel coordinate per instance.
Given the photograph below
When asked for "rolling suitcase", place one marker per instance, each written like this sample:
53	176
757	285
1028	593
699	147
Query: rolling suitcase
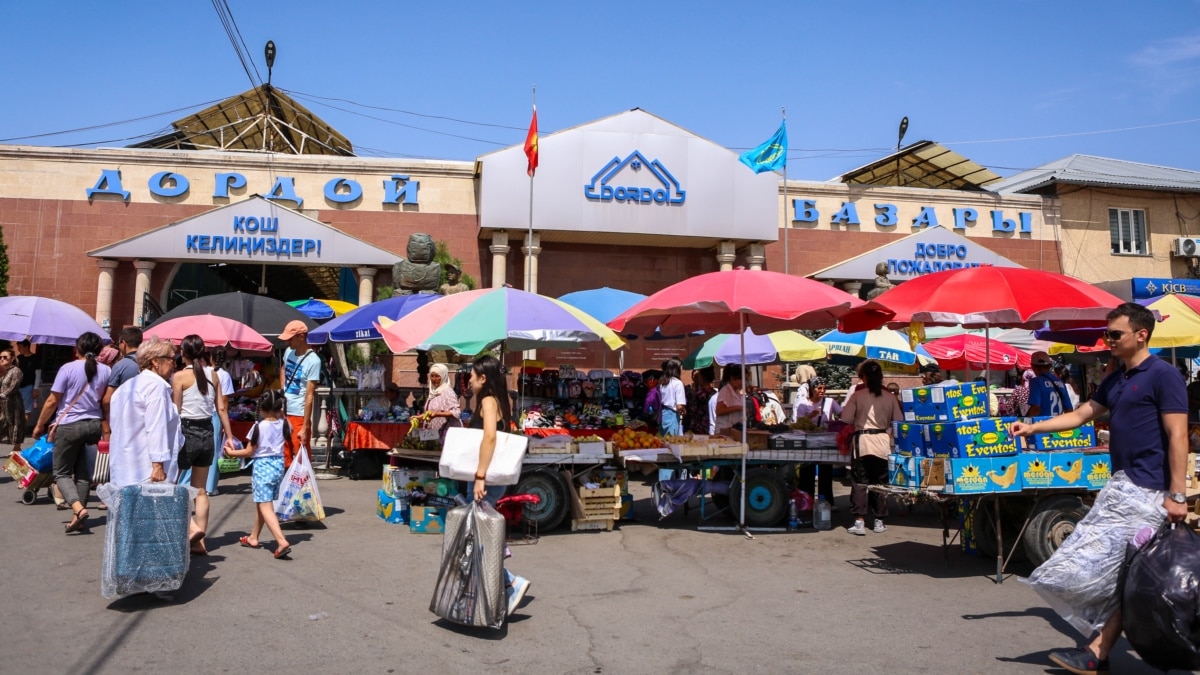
146	543
470	587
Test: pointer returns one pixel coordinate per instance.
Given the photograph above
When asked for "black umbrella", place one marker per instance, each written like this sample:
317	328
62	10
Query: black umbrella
266	315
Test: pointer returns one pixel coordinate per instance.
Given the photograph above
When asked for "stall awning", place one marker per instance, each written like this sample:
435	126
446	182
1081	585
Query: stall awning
923	164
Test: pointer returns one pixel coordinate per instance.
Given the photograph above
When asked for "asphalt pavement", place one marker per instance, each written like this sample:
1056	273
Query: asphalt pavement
649	597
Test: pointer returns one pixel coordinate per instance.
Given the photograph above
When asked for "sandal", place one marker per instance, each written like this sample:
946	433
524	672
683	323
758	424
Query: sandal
283	553
245	541
78	522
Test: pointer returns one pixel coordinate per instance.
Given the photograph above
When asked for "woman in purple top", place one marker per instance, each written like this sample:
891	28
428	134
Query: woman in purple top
74	405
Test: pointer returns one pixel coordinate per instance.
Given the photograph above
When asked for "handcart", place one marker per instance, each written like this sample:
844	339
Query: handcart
28	479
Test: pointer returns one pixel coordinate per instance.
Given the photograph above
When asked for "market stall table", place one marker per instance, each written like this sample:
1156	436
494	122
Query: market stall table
375	435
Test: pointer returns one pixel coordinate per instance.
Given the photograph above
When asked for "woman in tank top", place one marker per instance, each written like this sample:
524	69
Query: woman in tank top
198	395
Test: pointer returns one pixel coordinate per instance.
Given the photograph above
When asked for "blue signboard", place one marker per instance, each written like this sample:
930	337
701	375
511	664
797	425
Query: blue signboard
1145	288
665	190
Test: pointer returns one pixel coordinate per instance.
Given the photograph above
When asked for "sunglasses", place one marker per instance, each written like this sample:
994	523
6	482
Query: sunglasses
1115	335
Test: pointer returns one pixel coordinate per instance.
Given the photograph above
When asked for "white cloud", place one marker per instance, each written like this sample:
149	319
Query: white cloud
1169	52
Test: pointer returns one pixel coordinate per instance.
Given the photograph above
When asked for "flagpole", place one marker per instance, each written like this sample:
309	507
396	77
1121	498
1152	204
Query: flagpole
529	236
786	269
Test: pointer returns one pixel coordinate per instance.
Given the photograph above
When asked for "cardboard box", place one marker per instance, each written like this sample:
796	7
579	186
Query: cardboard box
390	509
911	438
933	473
1074	439
943	404
988	437
1049	469
592	447
427	520
904	472
1097	470
983	475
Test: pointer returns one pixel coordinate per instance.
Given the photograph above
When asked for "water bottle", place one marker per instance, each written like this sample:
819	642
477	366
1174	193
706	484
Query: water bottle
822	514
793	516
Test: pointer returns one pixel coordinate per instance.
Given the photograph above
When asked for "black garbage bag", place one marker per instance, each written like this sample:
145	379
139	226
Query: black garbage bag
1161	599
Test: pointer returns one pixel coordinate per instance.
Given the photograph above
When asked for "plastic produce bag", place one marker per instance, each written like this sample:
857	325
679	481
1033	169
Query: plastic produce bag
470	585
1080	581
1161	603
298	498
146	547
40	455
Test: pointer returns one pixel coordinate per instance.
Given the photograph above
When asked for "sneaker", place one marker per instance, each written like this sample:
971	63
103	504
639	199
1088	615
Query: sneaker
516	593
859	528
1081	661
879	528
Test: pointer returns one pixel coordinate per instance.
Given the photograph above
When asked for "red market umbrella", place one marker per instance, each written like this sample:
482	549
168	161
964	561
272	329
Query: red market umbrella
974	352
1005	297
731	302
216	331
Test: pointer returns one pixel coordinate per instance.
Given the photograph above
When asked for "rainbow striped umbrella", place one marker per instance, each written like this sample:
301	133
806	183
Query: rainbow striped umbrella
786	346
475	321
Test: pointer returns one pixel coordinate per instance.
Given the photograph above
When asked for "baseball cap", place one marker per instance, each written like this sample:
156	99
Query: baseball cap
293	329
1041	359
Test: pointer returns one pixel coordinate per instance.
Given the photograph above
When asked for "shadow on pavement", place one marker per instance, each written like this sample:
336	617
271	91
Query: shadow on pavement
927	559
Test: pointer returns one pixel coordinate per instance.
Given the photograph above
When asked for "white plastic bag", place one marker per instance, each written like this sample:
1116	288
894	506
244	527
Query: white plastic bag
146	547
298	498
460	456
1080	581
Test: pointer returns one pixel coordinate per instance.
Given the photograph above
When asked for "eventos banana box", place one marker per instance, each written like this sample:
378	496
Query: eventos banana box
944	404
1074	439
988	437
904	472
911	438
1097	469
982	475
1052	469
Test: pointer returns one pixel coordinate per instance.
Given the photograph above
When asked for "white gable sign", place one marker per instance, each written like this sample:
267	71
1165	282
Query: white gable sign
253	231
931	250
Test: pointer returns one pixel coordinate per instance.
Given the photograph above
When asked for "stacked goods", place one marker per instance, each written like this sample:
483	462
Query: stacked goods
630	439
945	404
560	444
911	439
594	508
591	445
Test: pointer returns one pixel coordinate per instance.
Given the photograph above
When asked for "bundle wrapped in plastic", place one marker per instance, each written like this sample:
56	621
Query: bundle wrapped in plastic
1080	581
146	546
1161	600
470	585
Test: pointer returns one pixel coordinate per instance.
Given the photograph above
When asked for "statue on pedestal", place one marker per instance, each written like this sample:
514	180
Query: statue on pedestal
882	282
453	284
418	273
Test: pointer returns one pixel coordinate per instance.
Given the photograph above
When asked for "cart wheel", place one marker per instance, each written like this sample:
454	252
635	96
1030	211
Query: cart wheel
766	497
1050	526
552	508
28	496
1010	522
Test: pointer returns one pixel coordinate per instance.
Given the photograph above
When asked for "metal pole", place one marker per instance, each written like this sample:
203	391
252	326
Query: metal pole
529	237
786	269
742	365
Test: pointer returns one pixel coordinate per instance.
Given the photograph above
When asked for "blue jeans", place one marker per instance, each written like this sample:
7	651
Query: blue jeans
492	494
218	443
671	423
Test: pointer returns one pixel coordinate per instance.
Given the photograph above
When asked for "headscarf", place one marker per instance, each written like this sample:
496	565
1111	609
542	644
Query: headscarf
444	373
815	382
1027	376
108	356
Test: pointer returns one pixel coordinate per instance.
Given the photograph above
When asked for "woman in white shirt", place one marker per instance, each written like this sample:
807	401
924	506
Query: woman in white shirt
820	408
731	399
146	437
672	398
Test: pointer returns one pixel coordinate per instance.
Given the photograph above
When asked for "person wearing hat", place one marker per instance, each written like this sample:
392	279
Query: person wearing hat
1047	394
301	373
931	376
452	285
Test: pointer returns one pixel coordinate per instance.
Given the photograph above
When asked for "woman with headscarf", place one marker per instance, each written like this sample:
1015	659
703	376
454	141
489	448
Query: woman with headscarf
441	406
820	408
1021	393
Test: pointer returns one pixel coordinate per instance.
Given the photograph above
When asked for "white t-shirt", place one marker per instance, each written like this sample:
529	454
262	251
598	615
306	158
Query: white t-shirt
268	437
671	394
712	414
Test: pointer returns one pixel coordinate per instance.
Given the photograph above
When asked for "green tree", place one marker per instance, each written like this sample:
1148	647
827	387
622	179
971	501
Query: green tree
3	265
836	377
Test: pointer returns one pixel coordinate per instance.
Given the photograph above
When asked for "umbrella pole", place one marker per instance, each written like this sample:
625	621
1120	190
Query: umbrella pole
742	477
987	350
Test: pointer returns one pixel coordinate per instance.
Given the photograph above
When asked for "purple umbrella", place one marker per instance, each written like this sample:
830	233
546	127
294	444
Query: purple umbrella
45	321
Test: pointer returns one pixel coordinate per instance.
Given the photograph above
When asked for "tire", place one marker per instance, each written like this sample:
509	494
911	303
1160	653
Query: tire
766	498
28	496
553	506
1012	515
1050	526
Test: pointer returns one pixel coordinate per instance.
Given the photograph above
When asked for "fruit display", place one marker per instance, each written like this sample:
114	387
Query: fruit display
589	439
630	439
806	424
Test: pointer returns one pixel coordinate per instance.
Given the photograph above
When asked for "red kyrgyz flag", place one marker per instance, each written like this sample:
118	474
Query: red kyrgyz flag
531	144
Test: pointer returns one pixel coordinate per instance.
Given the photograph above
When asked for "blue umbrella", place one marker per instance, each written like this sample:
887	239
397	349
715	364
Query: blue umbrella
606	304
359	325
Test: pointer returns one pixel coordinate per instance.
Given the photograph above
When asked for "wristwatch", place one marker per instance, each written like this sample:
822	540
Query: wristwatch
1178	497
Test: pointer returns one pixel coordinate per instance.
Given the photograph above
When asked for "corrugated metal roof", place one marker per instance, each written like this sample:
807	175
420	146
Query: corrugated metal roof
923	164
1100	171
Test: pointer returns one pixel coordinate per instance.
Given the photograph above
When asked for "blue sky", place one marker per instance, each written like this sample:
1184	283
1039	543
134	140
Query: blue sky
846	71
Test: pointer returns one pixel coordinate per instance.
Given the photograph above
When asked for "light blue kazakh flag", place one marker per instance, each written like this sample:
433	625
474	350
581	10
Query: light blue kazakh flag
771	155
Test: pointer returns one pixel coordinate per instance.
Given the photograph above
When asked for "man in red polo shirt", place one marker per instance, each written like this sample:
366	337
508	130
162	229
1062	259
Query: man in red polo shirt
1149	446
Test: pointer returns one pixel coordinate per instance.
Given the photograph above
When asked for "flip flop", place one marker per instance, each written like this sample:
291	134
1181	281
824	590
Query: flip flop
245	541
283	553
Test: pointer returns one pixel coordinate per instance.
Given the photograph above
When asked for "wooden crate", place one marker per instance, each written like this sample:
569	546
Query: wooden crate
591	525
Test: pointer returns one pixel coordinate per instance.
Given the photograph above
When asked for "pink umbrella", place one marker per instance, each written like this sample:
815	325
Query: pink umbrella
216	331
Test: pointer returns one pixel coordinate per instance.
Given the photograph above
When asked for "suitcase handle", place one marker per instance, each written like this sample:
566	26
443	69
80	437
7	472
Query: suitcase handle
157	489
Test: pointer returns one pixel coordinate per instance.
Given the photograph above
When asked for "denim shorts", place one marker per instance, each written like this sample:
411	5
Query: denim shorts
198	440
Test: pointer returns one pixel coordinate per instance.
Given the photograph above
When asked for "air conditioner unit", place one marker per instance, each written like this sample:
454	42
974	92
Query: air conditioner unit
1186	247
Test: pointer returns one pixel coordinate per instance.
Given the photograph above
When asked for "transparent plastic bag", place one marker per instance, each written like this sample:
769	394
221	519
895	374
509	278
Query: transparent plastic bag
470	585
1161	599
299	500
146	547
1081	580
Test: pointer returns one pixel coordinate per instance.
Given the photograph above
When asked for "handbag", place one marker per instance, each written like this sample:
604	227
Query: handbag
54	426
460	456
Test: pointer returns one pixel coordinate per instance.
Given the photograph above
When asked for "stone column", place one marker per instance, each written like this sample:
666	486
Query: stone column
141	287
726	255
531	250
499	249
366	285
852	287
756	256
104	292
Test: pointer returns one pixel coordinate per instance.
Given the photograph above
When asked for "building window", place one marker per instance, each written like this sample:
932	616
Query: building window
1127	228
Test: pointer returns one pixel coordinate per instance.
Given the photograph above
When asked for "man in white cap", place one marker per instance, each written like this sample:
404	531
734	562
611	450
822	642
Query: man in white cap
1047	394
299	377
